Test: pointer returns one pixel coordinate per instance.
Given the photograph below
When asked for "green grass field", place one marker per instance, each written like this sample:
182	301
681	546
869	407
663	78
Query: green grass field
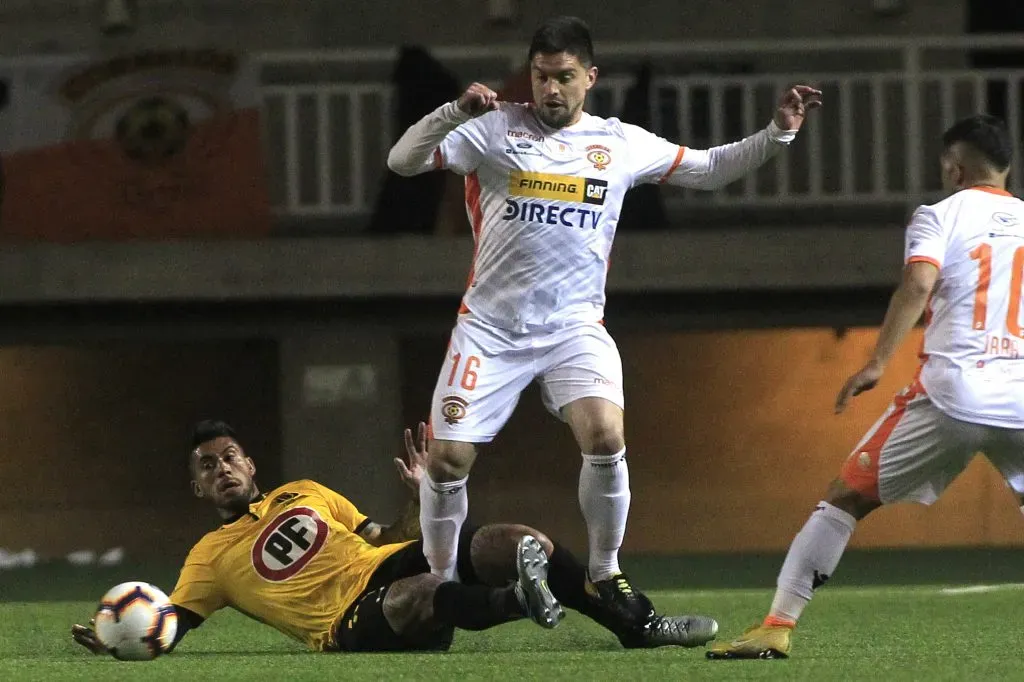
889	616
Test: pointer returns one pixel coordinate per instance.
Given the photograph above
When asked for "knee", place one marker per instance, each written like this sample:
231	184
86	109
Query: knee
604	439
854	503
449	460
409	603
512	533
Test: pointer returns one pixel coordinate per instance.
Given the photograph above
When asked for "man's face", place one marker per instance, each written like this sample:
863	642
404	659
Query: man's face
223	474
560	83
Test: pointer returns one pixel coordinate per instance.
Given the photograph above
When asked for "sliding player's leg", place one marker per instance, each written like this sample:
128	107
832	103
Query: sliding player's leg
493	551
477	389
911	454
420	612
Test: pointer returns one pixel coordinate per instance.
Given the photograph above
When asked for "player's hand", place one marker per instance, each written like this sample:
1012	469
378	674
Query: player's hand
478	99
794	105
86	636
416	451
864	380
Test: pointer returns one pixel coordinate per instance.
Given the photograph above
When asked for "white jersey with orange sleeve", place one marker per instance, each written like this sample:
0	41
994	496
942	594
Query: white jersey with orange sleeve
544	204
973	368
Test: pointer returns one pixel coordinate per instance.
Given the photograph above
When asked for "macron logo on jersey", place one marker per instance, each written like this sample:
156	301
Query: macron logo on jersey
562	188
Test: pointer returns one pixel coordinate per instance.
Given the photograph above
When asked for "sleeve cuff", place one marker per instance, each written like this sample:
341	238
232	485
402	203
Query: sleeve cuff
924	259
452	114
362	526
778	135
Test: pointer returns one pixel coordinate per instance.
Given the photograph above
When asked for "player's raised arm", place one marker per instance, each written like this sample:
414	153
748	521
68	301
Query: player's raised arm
407	526
716	167
419	150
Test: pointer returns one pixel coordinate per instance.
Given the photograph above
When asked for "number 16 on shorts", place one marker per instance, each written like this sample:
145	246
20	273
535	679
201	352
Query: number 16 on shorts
479	385
462	374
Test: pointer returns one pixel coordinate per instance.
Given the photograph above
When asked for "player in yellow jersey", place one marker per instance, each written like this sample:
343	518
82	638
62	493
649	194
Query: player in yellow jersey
305	561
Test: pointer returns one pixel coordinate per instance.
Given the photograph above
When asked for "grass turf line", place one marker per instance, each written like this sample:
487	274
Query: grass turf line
891	633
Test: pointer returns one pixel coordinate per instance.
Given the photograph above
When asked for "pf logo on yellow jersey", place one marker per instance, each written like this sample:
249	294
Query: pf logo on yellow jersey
289	543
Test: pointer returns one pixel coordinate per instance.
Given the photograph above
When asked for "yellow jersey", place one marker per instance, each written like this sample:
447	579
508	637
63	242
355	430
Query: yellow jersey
295	561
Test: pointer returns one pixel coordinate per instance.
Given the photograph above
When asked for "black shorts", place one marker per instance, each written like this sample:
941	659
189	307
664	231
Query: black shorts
364	627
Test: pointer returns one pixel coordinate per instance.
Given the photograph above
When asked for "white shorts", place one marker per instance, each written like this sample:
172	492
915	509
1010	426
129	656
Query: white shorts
486	369
914	451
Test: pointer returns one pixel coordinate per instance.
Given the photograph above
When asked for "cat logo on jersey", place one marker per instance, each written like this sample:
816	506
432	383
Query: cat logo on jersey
559	187
453	408
599	155
288	543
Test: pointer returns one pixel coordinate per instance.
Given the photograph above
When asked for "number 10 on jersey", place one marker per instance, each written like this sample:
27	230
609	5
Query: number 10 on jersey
983	254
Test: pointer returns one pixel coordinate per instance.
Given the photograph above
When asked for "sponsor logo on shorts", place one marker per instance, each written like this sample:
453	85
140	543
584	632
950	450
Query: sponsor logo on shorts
288	544
599	155
864	461
603	381
558	187
453	408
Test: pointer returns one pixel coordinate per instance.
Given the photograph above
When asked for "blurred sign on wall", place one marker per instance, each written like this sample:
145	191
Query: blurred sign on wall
151	145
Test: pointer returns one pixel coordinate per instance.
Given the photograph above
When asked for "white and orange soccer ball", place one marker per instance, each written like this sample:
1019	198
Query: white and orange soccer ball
136	621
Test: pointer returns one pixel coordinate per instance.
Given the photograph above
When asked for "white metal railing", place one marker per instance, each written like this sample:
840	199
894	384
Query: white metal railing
329	124
876	140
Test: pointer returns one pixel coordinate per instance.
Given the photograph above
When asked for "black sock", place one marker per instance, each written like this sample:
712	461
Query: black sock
566	577
475	607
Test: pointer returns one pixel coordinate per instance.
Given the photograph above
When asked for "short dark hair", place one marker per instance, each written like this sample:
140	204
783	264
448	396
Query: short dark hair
563	34
208	429
985	134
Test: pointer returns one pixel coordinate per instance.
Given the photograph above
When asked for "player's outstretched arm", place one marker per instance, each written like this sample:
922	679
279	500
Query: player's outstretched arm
86	635
905	309
415	151
407	526
714	168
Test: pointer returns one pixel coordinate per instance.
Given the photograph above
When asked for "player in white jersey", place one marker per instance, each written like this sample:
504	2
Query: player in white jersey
544	187
964	270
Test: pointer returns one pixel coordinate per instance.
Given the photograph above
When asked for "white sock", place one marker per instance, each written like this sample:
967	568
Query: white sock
812	558
443	510
604	500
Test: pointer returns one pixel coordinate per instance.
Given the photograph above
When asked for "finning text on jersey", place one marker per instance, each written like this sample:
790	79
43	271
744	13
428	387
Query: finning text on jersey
558	187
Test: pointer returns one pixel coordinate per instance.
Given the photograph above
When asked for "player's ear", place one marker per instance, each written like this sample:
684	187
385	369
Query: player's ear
251	466
196	490
591	77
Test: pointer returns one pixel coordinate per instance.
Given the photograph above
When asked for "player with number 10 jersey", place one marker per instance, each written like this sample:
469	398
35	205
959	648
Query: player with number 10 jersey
964	269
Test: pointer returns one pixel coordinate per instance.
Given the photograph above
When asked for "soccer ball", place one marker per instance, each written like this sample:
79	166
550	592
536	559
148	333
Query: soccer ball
136	621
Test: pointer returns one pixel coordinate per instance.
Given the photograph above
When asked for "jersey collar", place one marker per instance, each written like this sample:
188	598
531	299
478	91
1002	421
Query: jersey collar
991	190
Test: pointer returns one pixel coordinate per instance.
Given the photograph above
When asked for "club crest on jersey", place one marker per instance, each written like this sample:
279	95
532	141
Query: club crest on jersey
599	155
288	543
453	408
